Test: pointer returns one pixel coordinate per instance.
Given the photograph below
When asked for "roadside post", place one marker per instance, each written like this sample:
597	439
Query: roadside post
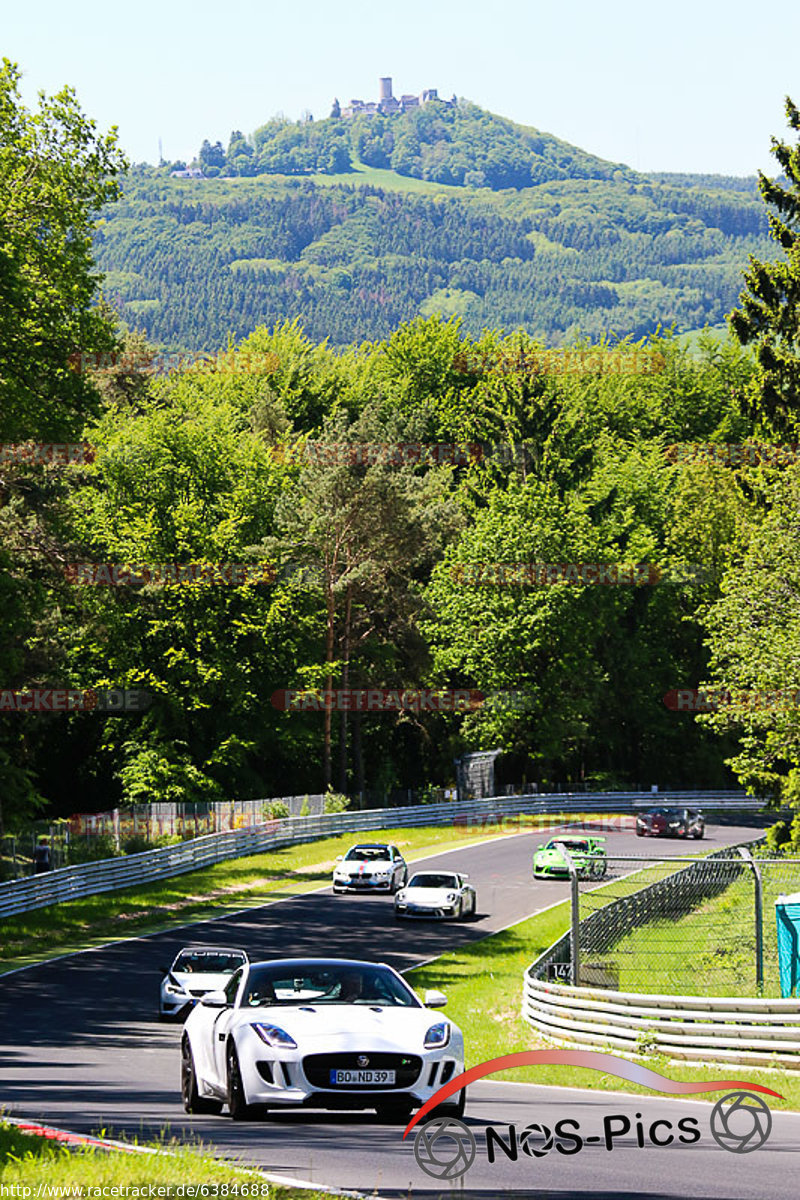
575	933
759	915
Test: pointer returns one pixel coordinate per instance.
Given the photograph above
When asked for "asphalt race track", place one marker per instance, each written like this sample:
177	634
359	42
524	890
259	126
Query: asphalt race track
81	1048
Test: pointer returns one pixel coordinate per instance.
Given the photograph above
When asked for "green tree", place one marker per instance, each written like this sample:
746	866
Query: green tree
56	173
769	317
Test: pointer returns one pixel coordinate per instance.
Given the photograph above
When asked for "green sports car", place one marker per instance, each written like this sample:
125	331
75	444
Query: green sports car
588	854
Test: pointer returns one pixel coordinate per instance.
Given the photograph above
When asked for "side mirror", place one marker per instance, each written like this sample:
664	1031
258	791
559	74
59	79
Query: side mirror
339	858
165	970
434	999
214	1000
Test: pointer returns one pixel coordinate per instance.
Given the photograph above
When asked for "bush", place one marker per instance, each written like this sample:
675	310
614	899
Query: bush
335	802
93	849
137	843
275	810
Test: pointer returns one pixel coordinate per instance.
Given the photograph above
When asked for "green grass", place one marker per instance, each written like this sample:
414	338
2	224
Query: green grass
226	887
711	950
31	1162
483	983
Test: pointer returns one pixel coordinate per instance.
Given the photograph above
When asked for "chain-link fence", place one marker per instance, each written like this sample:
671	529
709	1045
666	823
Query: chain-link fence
686	926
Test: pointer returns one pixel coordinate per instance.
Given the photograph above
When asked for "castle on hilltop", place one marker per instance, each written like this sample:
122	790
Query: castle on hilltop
388	104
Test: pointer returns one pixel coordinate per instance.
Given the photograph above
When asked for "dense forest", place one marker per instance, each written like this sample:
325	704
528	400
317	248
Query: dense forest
424	509
191	262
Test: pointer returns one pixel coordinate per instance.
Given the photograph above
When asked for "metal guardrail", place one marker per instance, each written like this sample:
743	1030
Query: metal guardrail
86	879
750	1032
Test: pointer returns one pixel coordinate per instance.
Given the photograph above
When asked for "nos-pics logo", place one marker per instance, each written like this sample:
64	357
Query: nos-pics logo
446	1148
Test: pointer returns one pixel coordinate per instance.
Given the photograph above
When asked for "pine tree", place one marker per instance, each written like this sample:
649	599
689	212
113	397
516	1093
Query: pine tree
770	313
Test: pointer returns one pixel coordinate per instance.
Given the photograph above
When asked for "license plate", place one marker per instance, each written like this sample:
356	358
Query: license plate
379	1077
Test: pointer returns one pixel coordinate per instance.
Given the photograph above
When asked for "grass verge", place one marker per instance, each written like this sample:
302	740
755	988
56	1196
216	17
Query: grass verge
711	950
483	982
28	1162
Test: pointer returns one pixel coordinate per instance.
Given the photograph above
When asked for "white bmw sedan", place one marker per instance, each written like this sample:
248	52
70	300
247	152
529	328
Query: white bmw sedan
318	1033
368	867
436	894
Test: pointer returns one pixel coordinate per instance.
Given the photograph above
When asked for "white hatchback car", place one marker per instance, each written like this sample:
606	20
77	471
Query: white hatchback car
436	894
370	867
196	971
318	1033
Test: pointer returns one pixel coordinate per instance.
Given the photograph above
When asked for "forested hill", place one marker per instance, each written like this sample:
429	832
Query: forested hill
459	145
587	248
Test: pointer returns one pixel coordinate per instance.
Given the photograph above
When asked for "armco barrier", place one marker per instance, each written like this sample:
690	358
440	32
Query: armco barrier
750	1032
71	883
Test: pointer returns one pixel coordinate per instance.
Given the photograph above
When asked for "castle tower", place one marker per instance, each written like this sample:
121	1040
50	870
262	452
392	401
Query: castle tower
386	87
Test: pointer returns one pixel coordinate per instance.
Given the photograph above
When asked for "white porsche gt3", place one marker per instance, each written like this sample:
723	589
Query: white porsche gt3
368	867
195	971
318	1033
436	894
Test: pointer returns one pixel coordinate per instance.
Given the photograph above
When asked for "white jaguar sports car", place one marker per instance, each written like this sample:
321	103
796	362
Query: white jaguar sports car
370	867
436	894
318	1033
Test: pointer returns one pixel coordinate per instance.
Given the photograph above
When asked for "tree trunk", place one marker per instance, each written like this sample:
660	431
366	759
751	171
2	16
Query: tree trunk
329	641
358	758
345	684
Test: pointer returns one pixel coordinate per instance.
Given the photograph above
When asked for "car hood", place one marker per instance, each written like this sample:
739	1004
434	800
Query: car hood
555	856
420	895
326	1022
195	980
363	868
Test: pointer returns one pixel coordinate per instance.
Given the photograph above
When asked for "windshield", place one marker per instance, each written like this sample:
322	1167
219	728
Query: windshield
568	844
209	962
434	881
367	854
298	983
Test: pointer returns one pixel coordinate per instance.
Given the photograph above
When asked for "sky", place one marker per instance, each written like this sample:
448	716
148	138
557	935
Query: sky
691	86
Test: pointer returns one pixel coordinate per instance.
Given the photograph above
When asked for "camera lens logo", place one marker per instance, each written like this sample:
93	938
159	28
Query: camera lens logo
536	1140
740	1122
444	1148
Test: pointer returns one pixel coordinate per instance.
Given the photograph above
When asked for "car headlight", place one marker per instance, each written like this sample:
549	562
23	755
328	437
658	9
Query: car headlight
274	1036
382	874
451	897
400	896
437	1036
171	990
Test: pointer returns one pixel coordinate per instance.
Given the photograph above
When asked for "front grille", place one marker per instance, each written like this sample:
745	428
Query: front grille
318	1067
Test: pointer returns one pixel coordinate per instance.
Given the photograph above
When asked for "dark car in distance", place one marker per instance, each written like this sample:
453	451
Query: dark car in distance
671	822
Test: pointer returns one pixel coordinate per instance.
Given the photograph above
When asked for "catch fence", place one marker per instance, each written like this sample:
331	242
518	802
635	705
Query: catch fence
704	926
